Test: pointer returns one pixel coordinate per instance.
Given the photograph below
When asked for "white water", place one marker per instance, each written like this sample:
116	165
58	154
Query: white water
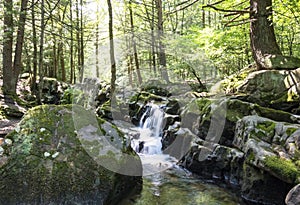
163	181
148	144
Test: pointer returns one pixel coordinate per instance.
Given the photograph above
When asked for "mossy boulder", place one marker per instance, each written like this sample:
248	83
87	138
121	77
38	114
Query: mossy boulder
278	89
270	146
236	137
203	113
58	156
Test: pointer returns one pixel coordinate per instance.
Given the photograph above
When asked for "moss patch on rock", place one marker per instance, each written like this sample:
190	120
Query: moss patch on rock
282	168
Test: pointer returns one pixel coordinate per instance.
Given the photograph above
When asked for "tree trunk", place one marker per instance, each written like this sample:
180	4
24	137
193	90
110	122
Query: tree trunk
8	76
112	50
20	39
81	42
41	52
71	46
97	42
35	52
78	38
265	49
62	62
162	54
135	54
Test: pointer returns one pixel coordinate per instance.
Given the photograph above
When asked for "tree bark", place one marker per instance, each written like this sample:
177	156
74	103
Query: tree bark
19	44
35	52
112	50
265	49
8	76
162	54
97	42
41	52
135	54
71	45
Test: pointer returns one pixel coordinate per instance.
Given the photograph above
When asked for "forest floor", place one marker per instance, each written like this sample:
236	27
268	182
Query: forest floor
10	111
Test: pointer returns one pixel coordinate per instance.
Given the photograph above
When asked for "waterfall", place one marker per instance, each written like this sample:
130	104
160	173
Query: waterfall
151	127
148	144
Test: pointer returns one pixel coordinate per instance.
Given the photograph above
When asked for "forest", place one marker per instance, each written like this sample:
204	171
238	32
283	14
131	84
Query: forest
150	102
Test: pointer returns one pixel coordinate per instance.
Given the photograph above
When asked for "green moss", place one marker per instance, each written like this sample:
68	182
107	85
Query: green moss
283	168
289	131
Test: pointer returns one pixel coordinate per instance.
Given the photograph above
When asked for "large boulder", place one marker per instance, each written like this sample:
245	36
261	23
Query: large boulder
203	114
271	158
279	89
243	144
62	155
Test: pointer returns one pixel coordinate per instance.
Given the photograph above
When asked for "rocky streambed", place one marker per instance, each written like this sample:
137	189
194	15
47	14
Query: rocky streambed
244	134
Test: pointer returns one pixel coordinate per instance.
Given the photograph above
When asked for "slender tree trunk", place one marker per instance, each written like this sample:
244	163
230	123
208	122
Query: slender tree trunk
62	62
153	40
97	42
71	45
81	43
41	51
203	15
78	38
162	54
35	52
8	75
19	44
112	50
135	54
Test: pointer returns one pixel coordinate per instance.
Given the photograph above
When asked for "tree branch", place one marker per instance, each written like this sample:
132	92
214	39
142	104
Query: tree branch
182	8
226	10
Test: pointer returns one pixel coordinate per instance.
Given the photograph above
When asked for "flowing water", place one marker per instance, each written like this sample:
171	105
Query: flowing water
165	183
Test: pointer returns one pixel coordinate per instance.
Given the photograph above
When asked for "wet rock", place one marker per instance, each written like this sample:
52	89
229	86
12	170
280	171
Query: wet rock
293	197
58	155
213	161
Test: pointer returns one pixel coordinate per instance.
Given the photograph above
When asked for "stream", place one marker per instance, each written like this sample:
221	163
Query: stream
164	182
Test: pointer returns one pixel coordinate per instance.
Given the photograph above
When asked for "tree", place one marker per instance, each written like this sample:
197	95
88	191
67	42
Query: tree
162	54
9	80
135	54
12	71
265	50
112	50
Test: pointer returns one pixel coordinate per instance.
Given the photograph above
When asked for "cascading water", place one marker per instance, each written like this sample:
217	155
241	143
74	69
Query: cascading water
164	181
148	144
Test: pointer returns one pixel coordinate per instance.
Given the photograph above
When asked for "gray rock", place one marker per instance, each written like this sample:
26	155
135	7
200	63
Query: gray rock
293	197
58	156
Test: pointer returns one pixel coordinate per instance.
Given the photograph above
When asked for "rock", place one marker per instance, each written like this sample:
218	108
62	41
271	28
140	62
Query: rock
278	89
58	155
216	118
265	143
243	144
52	90
269	160
293	197
156	87
214	162
173	107
260	187
280	62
